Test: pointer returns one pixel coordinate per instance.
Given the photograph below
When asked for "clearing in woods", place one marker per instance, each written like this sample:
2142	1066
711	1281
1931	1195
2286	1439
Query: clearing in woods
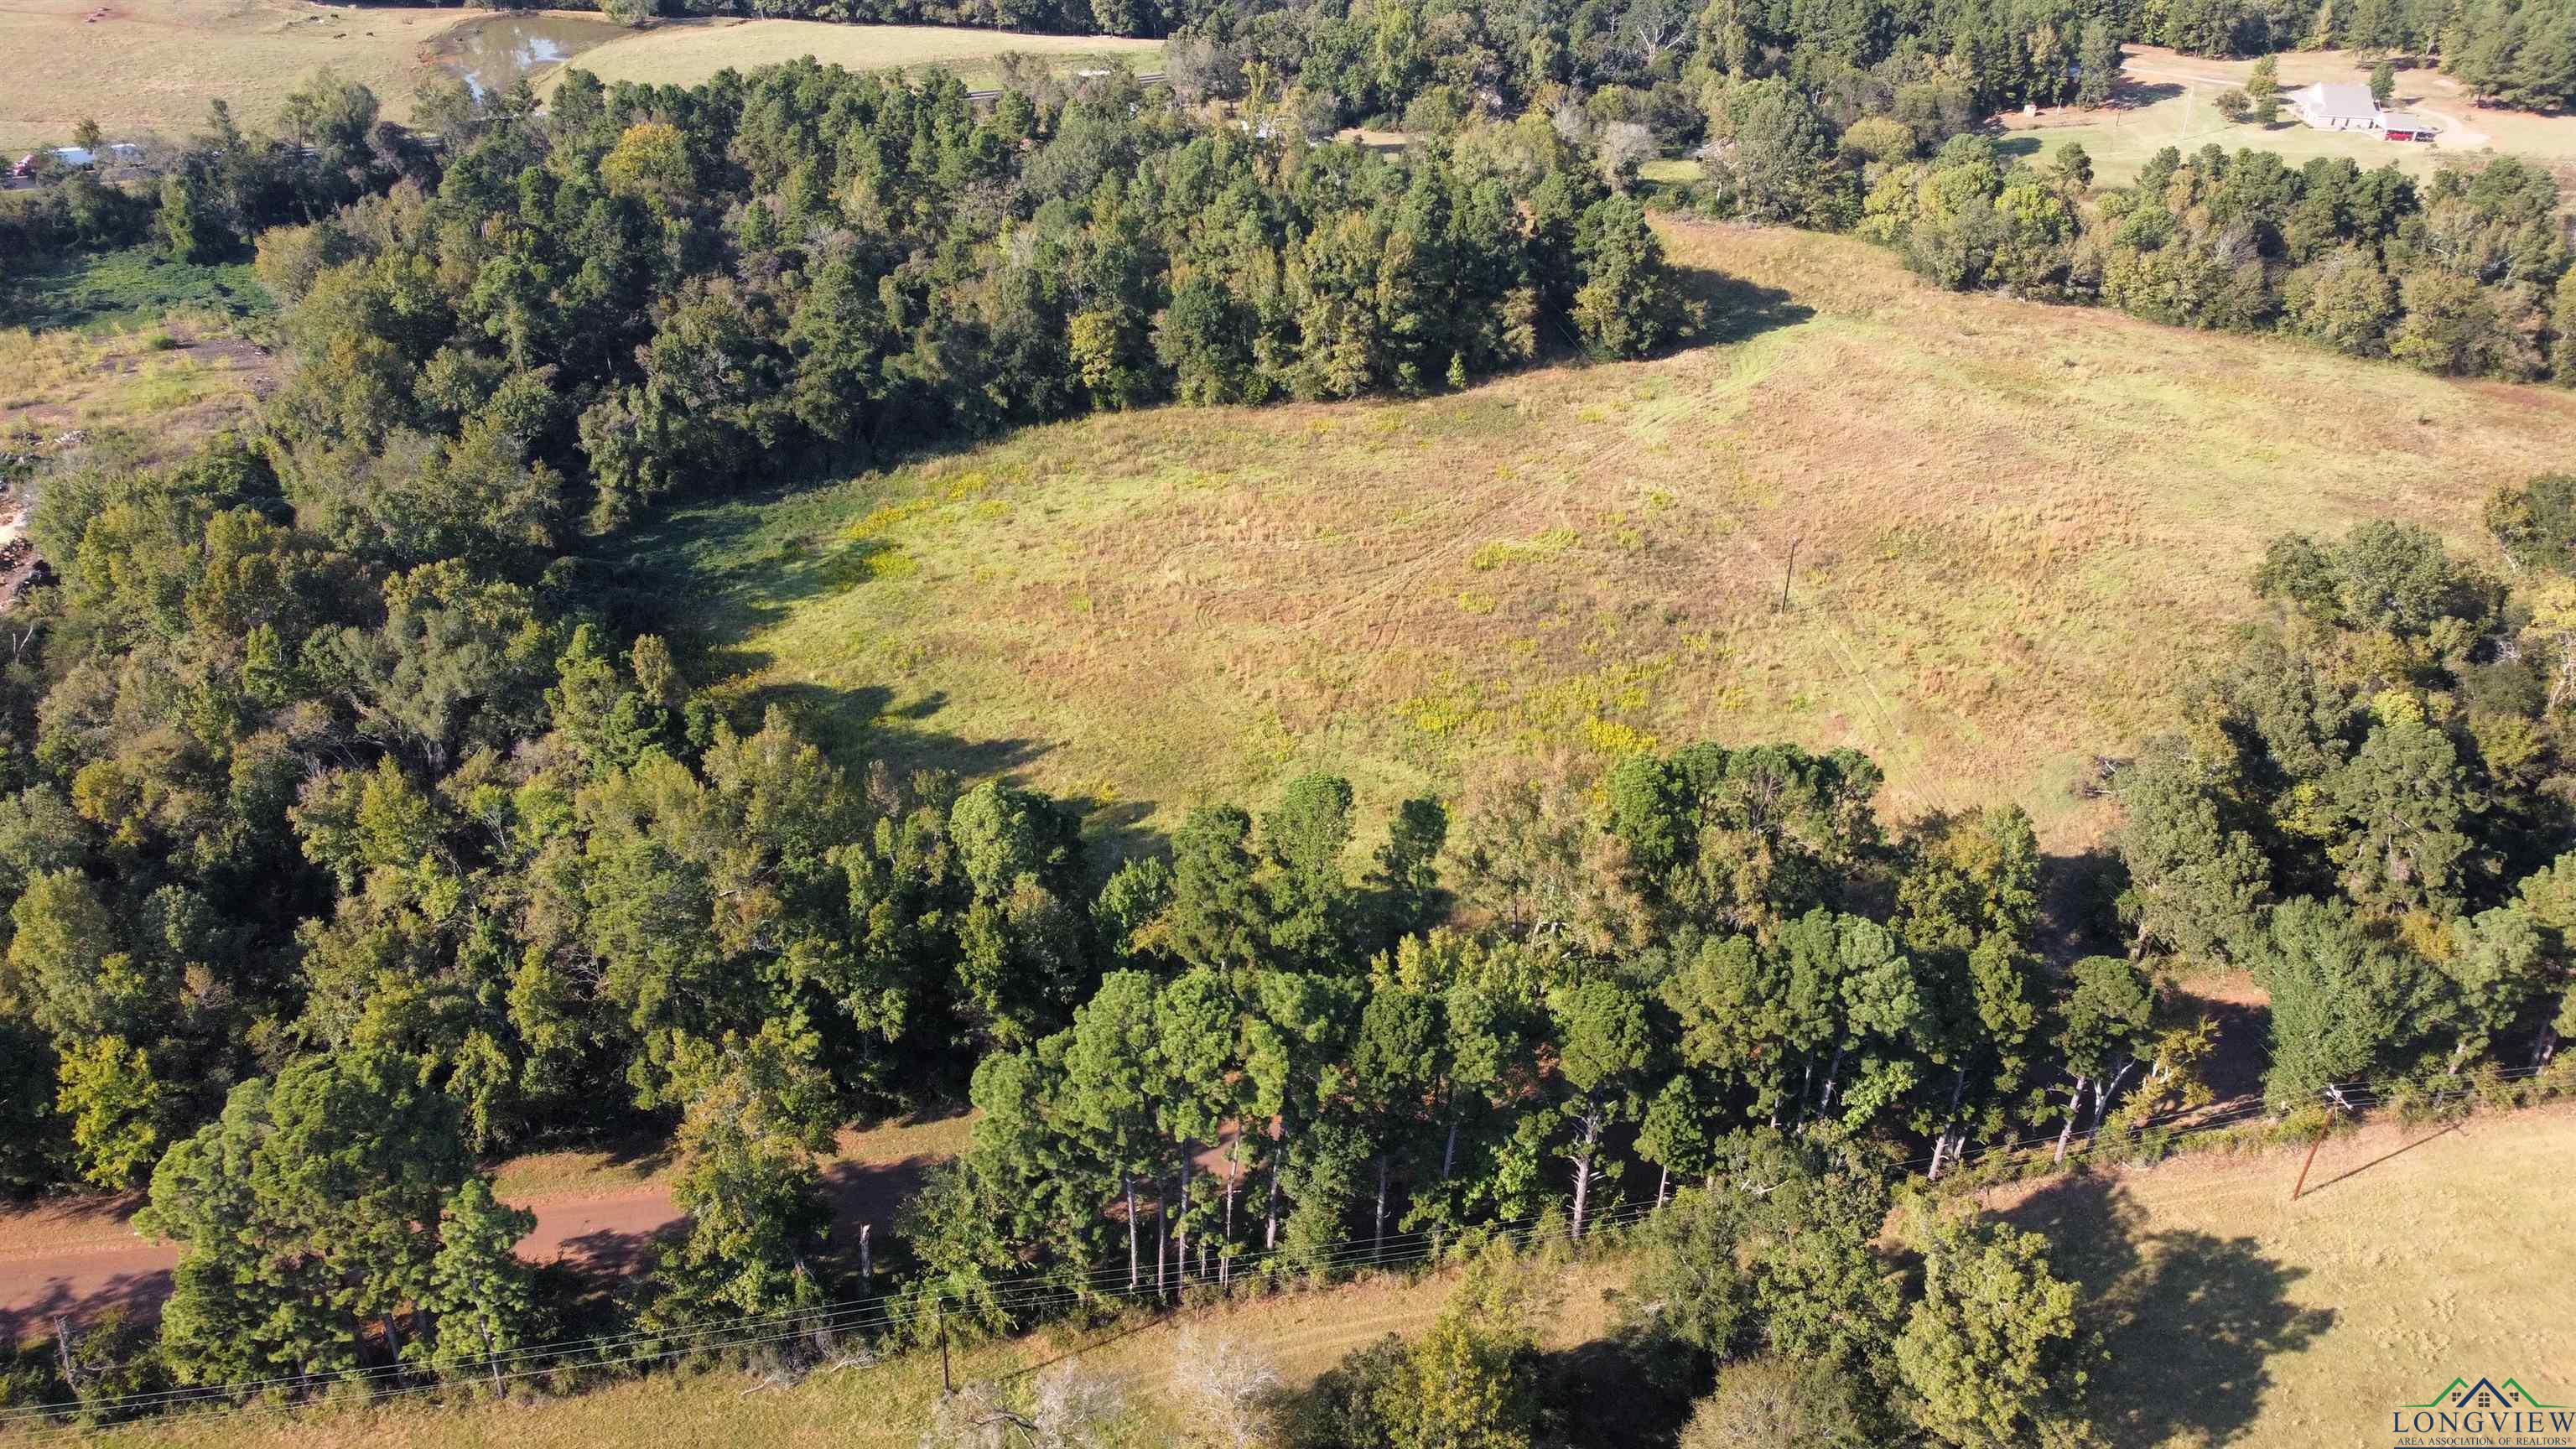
686	52
597	1209
2231	1316
2014	527
2168	99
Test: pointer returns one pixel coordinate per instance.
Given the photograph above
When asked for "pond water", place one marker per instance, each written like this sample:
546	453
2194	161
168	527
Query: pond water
491	55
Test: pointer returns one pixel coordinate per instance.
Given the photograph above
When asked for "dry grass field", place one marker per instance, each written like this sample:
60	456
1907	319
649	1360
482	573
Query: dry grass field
150	66
687	52
160	388
2233	1315
2014	527
2169	100
1302	1333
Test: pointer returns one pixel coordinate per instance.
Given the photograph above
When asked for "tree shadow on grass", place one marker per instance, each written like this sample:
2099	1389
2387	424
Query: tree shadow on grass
2189	1320
1739	310
855	725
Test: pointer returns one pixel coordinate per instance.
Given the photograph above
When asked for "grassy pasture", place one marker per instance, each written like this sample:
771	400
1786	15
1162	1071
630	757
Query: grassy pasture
2233	1315
689	51
2014	526
151	66
2168	99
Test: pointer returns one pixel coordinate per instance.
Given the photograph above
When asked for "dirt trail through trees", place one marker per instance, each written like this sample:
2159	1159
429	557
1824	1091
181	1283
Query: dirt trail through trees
88	1258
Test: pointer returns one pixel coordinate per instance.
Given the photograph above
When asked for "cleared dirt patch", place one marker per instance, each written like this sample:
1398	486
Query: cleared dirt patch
598	1211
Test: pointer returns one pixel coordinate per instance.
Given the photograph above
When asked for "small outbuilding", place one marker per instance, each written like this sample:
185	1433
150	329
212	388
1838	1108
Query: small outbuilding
2407	126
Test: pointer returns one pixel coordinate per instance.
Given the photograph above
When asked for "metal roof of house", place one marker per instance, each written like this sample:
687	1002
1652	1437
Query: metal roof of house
2338	98
2407	121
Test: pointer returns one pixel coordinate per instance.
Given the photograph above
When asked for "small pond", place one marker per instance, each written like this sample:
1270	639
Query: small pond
490	55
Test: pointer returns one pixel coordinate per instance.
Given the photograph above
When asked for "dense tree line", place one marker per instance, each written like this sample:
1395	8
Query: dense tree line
1427	62
351	835
1665	65
2369	809
345	840
2467	274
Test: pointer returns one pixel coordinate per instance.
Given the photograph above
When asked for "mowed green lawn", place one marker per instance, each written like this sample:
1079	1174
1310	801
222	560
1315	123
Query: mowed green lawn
2007	530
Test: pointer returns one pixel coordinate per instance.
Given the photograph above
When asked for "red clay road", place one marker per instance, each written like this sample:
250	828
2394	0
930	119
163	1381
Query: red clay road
90	1258
80	1257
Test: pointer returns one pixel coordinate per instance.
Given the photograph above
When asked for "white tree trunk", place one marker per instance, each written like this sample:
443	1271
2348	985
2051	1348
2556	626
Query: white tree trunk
1377	1244
2074	1106
1583	1168
1270	1229
1233	1171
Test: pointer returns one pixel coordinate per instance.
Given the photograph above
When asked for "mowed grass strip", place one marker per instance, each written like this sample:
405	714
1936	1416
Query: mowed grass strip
687	52
1302	1332
2006	530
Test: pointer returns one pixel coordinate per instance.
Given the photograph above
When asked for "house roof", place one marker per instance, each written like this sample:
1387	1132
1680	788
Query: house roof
2407	121
2338	98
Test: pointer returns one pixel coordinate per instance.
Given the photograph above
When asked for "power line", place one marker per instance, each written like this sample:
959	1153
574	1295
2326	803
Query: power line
1017	1297
877	1311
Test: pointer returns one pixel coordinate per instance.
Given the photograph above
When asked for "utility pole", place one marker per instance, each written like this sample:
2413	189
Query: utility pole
946	1385
1787	571
2322	1128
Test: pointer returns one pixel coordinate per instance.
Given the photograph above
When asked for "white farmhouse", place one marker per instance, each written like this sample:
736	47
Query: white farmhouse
2336	106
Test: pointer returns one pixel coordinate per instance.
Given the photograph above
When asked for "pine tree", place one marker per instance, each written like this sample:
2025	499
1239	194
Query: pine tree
481	1297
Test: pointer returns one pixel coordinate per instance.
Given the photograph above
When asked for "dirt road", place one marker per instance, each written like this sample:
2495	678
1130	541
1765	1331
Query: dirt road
80	1257
83	1258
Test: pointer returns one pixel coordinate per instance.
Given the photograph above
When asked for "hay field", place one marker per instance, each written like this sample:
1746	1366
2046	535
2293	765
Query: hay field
151	66
689	51
2014	527
2168	99
2233	1315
